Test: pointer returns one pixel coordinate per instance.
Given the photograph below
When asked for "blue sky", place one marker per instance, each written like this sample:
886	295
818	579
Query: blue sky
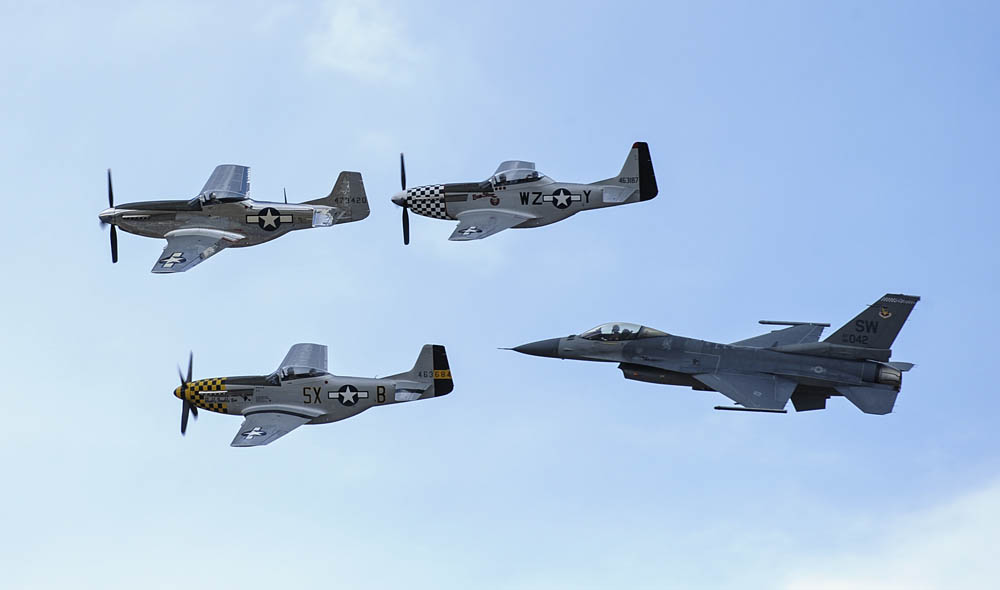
810	158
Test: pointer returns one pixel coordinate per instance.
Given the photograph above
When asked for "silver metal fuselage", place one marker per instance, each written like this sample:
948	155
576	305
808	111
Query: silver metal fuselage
549	201
324	397
154	219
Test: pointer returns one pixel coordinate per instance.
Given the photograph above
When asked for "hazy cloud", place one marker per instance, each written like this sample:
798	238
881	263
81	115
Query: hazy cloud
365	39
948	546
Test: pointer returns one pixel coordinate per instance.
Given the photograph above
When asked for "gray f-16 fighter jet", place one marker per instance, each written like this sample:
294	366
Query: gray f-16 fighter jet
302	391
222	215
763	372
519	196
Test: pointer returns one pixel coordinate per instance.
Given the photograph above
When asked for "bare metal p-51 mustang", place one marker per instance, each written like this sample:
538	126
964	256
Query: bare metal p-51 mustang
760	373
223	215
302	391
518	196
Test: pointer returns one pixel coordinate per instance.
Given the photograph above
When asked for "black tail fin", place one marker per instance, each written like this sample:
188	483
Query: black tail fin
877	326
431	368
442	372
636	173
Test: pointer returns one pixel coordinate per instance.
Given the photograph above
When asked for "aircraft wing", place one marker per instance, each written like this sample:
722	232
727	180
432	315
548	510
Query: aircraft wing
229	178
305	356
800	334
187	247
751	390
266	426
480	223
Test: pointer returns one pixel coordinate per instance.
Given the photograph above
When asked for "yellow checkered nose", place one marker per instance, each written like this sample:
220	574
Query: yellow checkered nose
195	393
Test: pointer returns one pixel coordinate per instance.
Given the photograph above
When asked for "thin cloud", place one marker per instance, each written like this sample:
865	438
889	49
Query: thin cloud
948	546
364	39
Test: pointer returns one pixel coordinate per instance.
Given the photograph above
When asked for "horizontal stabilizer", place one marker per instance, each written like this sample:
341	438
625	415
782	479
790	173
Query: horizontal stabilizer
901	366
870	400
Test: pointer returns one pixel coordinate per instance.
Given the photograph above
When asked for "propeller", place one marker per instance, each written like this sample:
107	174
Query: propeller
114	232
406	215
187	407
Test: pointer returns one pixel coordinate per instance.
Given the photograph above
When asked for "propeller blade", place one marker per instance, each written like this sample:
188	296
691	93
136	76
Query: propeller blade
111	194
114	245
186	406
184	416
406	226
402	172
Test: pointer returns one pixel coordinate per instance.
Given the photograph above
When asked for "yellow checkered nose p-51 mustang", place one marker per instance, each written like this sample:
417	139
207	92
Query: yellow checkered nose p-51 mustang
518	196
302	391
224	216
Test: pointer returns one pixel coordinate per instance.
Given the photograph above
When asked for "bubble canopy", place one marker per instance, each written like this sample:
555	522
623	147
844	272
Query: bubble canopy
620	331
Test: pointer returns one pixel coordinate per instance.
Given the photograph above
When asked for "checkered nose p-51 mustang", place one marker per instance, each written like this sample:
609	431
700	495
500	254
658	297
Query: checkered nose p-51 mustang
302	391
760	373
223	215
518	196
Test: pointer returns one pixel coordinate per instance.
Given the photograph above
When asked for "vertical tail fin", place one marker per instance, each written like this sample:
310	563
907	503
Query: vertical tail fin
431	367
348	195
877	326
636	173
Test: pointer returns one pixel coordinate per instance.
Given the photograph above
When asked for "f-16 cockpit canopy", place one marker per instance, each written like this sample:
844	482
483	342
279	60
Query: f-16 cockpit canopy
620	331
515	172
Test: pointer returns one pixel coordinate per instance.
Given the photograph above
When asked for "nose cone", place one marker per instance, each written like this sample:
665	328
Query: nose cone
108	215
549	348
399	198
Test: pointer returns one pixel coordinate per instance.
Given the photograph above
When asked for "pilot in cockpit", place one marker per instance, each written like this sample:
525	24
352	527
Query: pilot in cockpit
219	197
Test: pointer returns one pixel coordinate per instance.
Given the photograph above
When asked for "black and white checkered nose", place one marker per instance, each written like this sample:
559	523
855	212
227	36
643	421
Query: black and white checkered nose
399	198
425	200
